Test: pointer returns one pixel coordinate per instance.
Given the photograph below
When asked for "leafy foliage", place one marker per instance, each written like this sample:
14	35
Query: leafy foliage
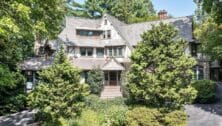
212	7
21	23
59	92
206	91
153	117
210	35
143	116
128	11
175	118
95	80
12	91
162	77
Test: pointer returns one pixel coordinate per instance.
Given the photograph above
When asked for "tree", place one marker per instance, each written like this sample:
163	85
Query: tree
11	91
59	92
212	7
21	23
124	10
161	72
209	33
95	80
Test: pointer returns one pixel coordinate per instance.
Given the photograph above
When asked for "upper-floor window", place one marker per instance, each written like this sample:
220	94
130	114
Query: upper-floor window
105	22
116	51
86	51
70	49
107	34
82	32
99	52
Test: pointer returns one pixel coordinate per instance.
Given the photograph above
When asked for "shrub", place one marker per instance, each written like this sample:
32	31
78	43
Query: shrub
206	91
59	92
175	118
95	103
115	116
142	116
95	80
88	118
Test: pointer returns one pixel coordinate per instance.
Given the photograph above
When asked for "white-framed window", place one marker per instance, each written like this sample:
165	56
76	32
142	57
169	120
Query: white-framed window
115	51
100	52
107	34
86	51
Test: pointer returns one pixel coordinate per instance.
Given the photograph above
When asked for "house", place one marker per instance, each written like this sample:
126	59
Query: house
107	43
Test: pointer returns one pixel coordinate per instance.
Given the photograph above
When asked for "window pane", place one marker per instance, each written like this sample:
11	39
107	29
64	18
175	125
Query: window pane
108	34
120	51
100	52
115	51
83	51
89	51
110	51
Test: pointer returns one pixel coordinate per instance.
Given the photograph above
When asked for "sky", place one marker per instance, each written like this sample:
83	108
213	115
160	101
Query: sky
176	8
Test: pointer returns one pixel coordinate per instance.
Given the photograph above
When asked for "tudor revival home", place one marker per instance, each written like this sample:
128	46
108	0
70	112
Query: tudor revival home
107	43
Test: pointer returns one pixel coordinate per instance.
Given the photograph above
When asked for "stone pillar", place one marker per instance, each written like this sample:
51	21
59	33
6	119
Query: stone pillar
206	67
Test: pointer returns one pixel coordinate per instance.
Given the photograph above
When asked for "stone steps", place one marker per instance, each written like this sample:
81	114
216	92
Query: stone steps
111	92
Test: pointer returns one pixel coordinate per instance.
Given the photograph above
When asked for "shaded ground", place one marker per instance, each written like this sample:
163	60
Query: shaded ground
208	114
23	118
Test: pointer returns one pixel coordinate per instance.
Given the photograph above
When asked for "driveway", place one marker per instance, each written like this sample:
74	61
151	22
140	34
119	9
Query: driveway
206	114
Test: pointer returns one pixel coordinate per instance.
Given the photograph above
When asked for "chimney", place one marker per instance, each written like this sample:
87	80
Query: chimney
162	14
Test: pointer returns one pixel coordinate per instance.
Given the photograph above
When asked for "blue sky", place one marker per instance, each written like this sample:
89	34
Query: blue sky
176	8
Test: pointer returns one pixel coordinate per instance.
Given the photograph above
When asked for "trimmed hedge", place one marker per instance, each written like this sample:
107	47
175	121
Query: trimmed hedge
206	91
143	116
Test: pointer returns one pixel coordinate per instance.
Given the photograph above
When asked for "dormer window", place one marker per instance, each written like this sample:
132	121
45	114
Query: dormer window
105	22
107	34
89	33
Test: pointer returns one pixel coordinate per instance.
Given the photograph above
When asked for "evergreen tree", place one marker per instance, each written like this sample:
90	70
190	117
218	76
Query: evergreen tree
161	72
128	11
59	92
95	80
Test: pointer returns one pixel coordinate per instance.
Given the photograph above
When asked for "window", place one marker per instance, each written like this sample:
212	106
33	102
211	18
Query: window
105	22
115	51
86	51
88	32
71	49
100	52
109	34
194	49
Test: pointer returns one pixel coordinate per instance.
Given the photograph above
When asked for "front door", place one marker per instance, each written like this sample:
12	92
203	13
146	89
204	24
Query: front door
113	78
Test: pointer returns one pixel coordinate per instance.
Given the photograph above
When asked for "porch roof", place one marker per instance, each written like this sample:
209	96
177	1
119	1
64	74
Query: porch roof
112	64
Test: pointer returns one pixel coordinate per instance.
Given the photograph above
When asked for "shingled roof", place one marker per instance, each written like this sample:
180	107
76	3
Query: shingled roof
132	32
129	32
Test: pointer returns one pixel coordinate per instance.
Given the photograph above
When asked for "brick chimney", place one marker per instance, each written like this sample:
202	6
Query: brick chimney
162	14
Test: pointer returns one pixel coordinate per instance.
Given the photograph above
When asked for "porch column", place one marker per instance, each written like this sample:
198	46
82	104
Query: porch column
117	78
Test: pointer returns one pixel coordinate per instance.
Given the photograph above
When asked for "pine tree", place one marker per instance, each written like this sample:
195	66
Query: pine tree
161	72
59	92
